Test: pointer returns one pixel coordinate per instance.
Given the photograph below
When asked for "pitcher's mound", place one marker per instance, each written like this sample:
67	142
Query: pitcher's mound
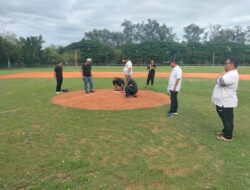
107	99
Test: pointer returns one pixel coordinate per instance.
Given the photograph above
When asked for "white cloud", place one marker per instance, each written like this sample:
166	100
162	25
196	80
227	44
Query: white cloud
62	22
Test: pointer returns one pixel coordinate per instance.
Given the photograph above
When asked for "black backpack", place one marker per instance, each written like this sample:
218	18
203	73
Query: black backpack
65	90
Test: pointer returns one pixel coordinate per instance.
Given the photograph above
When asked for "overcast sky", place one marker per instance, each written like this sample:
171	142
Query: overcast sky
64	21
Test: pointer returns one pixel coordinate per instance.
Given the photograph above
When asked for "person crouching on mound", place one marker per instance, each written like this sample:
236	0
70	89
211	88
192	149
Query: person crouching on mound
131	88
119	84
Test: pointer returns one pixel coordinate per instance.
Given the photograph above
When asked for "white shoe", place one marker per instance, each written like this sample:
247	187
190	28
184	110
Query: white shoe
58	93
175	113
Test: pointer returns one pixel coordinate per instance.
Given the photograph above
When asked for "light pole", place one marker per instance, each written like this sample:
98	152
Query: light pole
213	59
76	57
107	58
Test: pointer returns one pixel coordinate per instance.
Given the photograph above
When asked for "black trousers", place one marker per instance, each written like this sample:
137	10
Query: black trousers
59	82
151	77
227	118
174	102
130	91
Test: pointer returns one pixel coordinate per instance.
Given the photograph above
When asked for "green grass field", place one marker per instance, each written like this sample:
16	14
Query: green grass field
44	146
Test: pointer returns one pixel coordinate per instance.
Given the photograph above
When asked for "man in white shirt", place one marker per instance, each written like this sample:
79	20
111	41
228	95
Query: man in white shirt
128	69
174	86
225	98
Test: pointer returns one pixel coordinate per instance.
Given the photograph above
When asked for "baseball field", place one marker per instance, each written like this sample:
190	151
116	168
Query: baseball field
48	146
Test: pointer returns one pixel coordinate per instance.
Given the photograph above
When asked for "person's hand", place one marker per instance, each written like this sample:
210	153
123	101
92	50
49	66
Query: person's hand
168	91
221	74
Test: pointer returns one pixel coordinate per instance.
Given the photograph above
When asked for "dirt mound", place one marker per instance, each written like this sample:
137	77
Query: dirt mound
107	99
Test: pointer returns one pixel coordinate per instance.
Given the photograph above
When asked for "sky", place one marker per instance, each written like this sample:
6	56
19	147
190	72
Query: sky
61	22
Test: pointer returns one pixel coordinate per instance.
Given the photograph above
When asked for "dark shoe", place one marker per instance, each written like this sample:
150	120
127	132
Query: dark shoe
222	138
92	91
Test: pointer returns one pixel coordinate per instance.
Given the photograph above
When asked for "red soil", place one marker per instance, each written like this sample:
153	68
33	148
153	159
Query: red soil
107	99
113	74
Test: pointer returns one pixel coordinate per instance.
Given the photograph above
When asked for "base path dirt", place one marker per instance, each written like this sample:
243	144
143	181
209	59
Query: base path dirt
113	74
107	99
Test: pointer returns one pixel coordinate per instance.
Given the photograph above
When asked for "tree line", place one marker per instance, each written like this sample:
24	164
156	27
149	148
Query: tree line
138	41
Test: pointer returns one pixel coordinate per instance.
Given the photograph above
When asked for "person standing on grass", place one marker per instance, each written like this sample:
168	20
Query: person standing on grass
58	75
128	68
225	98
151	73
87	76
174	86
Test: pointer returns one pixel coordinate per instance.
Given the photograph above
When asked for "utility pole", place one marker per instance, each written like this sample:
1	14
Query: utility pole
141	58
213	59
141	50
107	58
8	63
76	58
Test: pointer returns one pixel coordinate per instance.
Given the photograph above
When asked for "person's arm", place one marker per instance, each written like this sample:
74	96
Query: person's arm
178	75
226	79
150	67
176	84
221	81
55	73
82	71
129	69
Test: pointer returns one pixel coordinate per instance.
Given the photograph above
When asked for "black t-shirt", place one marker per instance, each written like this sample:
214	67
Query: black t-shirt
118	81
132	84
86	70
58	71
151	69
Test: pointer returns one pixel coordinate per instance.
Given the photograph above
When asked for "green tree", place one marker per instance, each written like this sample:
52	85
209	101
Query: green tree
32	50
52	55
193	33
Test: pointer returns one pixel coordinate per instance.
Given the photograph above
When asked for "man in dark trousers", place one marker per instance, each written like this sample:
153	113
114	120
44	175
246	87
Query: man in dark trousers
58	75
151	73
225	98
87	76
131	88
174	86
118	83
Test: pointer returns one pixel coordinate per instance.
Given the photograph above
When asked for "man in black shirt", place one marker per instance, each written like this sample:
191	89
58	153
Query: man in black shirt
118	83
131	88
87	76
58	75
151	72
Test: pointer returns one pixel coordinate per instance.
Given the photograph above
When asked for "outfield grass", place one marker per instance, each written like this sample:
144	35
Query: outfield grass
44	146
187	69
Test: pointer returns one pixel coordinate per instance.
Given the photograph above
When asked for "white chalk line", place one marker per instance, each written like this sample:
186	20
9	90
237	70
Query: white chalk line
18	109
22	108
